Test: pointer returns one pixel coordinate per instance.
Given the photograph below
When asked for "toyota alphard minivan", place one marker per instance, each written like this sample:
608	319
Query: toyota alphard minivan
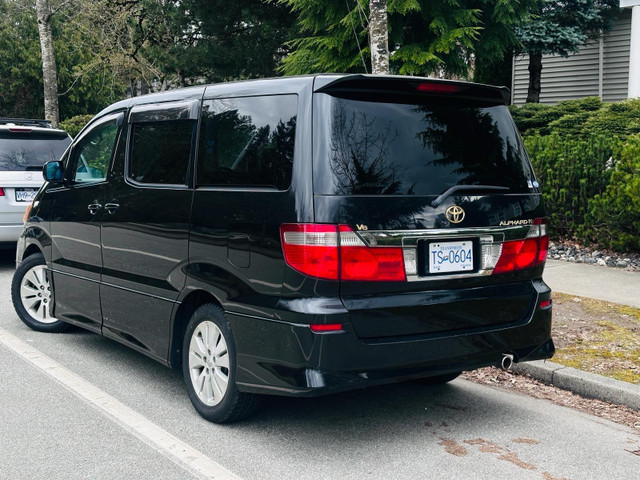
296	236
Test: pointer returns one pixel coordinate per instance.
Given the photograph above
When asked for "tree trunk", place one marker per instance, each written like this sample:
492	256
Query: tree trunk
535	73
49	70
379	36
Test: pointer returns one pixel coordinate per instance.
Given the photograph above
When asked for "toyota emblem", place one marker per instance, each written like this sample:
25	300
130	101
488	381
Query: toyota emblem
455	214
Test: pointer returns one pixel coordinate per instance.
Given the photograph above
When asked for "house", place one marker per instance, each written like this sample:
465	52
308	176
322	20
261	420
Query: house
608	68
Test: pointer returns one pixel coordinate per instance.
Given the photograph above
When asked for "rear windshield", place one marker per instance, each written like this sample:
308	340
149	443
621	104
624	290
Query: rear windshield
29	151
421	148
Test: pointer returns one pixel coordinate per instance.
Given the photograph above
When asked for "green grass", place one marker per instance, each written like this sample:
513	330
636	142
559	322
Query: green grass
612	349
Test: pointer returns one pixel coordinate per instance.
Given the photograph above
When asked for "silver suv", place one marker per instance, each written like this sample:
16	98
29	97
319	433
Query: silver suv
25	145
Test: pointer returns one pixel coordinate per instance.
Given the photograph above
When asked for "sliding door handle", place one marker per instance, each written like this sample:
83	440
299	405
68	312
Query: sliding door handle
111	208
94	208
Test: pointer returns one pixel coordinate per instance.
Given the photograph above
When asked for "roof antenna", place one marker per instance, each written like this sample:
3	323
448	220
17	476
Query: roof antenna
356	35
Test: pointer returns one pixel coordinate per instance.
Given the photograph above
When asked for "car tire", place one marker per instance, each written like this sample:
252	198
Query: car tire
438	379
32	293
209	368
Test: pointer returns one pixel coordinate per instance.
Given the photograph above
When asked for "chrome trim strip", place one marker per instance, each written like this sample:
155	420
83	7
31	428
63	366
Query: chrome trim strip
407	238
490	238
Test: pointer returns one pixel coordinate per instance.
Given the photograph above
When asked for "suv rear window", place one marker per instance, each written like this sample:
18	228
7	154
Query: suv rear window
421	148
29	151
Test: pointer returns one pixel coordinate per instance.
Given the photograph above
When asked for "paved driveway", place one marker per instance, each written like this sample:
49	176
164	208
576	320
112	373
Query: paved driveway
57	422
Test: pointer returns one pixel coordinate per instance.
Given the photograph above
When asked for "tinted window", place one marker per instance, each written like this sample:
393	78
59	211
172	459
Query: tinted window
29	151
160	152
247	141
375	148
92	155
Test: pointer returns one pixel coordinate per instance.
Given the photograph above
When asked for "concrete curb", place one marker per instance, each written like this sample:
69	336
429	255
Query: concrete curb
583	383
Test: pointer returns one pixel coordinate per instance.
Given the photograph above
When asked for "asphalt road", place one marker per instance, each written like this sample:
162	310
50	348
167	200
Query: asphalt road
79	406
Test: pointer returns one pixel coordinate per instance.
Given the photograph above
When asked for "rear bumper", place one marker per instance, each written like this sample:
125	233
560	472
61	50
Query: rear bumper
277	357
9	232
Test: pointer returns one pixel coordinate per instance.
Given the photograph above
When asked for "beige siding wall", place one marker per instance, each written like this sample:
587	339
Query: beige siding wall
579	75
616	60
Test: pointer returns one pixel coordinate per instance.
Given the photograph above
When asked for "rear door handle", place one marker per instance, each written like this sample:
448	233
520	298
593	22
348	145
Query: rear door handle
111	208
93	208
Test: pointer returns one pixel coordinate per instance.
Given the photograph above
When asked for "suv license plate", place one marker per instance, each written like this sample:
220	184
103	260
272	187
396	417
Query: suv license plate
25	194
447	257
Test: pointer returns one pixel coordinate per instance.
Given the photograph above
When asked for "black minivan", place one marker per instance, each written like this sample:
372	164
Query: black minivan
296	236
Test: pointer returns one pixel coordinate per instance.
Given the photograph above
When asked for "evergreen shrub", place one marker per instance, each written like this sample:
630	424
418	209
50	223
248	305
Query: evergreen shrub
613	217
73	125
571	172
622	119
535	118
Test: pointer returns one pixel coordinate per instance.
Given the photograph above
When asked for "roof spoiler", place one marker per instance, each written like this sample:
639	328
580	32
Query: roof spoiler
420	86
26	122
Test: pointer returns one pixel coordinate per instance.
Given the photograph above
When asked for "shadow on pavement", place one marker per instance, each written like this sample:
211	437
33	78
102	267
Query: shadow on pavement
8	258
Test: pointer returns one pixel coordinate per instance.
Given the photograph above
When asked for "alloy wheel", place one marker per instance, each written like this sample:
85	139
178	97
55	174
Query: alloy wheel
209	363
35	294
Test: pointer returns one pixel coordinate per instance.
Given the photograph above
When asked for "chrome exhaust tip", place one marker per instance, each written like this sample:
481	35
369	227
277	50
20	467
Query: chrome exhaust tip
507	361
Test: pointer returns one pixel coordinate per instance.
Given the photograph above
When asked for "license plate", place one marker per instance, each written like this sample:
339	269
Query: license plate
25	194
445	257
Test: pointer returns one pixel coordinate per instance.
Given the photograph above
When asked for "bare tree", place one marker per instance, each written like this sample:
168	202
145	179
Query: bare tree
49	69
379	36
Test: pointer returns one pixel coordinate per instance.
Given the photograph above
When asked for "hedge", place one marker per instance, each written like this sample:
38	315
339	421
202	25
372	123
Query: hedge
571	172
613	217
581	118
587	157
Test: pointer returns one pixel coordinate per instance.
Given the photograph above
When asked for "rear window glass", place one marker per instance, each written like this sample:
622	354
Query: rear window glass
29	151
376	148
247	142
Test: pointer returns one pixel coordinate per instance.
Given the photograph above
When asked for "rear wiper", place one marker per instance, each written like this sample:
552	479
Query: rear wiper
466	188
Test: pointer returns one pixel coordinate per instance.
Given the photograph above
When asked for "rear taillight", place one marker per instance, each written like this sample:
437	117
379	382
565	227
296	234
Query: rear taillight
335	252
1	192
311	249
359	262
527	253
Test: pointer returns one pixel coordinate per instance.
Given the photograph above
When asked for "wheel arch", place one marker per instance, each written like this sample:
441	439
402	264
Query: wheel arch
189	304
31	249
34	239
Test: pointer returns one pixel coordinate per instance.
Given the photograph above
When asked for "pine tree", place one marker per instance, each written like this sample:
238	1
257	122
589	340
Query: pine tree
425	37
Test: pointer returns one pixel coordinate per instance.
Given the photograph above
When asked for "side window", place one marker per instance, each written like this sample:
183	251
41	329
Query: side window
160	151
92	155
247	141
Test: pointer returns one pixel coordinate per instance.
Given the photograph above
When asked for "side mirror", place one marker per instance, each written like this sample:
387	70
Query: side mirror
52	171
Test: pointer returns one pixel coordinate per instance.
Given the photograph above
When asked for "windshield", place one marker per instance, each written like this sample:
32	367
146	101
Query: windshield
29	151
377	148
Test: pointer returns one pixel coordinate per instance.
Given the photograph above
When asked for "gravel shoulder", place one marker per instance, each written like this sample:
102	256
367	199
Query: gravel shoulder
574	252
